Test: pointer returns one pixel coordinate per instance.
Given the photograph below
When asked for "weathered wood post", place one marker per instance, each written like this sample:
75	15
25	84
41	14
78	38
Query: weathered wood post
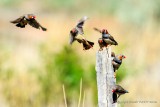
105	78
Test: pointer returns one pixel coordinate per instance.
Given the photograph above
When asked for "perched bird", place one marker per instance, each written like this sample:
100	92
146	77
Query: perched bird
86	44
117	61
77	30
102	44
107	37
119	91
28	19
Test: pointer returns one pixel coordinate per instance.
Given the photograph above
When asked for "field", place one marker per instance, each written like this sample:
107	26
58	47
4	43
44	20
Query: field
35	64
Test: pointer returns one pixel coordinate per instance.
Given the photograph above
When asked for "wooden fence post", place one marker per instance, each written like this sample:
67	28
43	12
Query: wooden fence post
105	78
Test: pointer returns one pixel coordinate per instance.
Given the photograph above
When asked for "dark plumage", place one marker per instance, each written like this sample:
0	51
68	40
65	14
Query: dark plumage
119	91
86	44
28	19
114	97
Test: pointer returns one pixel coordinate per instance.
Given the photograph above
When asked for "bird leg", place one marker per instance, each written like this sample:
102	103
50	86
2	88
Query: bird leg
114	74
118	96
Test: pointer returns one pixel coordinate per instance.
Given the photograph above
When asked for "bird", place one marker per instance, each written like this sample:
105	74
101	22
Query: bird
102	44
106	37
78	29
86	44
30	19
117	61
119	91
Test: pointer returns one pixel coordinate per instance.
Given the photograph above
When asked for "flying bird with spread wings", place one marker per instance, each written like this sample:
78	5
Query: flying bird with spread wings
86	44
78	30
28	19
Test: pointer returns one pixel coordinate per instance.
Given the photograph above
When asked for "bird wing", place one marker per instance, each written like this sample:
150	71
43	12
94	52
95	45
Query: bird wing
116	60
80	24
120	90
87	44
90	43
35	24
71	38
98	30
111	38
18	20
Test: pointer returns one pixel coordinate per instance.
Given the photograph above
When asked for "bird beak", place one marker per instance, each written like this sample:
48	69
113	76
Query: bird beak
124	56
113	91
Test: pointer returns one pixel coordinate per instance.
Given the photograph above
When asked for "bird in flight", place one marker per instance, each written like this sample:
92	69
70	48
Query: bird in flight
28	19
86	44
77	30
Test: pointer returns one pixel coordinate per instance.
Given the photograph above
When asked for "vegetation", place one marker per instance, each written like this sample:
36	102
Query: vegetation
35	64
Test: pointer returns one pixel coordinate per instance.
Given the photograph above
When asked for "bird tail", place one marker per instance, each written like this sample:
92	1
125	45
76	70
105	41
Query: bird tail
44	29
115	42
126	91
19	25
98	30
13	22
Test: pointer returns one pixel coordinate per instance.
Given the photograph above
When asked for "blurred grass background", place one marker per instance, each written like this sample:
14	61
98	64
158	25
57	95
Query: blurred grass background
34	64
